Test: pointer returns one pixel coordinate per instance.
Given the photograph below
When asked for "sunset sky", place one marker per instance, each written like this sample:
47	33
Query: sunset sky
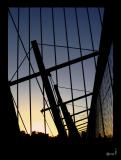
48	58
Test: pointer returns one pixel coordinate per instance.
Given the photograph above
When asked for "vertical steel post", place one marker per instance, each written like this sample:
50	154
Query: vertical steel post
29	74
41	36
17	67
83	73
70	73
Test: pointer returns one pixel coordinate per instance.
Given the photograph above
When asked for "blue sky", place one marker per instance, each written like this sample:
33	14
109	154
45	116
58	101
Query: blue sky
48	57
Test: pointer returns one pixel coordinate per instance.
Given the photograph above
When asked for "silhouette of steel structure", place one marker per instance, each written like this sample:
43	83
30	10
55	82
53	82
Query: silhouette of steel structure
102	117
57	107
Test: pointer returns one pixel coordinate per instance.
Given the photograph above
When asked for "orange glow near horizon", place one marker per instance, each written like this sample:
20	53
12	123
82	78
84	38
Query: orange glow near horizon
37	123
37	105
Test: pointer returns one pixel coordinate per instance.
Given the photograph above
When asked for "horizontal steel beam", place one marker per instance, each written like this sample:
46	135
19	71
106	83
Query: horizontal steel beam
65	64
81	119
80	128
23	79
75	99
69	101
77	121
80	112
84	127
81	124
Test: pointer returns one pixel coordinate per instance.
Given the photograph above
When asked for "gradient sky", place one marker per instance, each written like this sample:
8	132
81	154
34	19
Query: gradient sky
48	58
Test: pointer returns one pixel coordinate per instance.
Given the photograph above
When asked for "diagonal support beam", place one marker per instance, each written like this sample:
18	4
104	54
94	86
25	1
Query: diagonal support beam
49	92
23	79
73	132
